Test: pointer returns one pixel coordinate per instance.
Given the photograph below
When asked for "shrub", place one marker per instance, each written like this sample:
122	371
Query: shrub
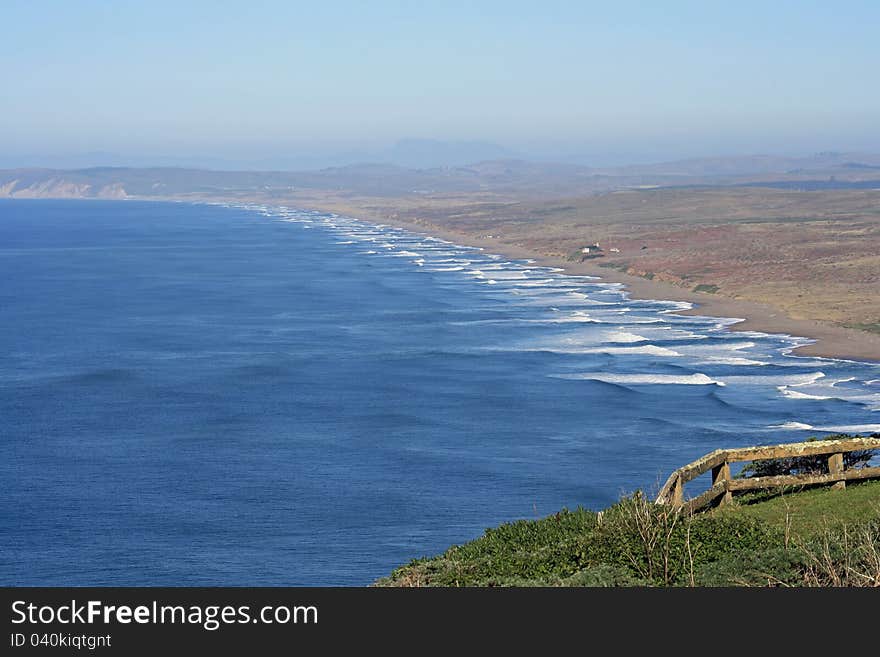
845	556
603	575
638	543
776	566
663	546
537	552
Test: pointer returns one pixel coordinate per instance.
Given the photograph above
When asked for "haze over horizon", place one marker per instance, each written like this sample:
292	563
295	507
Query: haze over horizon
293	85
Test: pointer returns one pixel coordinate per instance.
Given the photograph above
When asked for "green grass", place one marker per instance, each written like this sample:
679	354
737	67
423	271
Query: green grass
870	327
811	511
771	537
706	287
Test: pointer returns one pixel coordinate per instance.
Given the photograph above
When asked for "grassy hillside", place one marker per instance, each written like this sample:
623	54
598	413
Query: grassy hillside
816	537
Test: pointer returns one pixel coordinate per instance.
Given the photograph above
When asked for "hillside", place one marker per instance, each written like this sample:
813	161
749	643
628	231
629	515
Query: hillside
514	179
816	537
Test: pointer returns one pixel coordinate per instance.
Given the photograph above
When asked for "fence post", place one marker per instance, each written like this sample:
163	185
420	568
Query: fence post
835	466
678	493
721	475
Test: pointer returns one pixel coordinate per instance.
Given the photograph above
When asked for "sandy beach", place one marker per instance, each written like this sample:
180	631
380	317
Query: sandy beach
830	341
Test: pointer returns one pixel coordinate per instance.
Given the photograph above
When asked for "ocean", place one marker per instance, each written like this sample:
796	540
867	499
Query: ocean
195	394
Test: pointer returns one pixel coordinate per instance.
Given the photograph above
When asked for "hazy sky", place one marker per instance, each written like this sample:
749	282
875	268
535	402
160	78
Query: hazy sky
253	79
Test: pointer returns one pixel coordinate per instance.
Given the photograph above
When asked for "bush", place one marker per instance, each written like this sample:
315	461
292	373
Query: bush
537	552
844	556
603	575
775	566
638	543
662	546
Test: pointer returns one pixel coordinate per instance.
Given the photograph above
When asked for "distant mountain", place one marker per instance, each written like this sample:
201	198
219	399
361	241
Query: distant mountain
430	153
508	179
408	153
512	178
750	165
120	182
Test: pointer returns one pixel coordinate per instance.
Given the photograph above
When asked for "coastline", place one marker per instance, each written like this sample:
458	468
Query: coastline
829	340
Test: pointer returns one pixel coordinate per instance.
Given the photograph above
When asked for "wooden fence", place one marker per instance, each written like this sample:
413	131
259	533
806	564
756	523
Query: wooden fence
724	486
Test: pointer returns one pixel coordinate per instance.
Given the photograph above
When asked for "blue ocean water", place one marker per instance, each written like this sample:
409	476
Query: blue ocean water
199	394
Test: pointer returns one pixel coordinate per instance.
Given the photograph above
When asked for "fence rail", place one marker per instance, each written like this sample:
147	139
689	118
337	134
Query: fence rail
723	485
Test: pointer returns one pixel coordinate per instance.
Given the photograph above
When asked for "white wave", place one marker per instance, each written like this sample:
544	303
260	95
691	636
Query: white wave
530	322
670	333
534	295
677	305
577	317
502	274
809	378
792	426
444	269
723	347
851	428
648	349
838	428
641	320
721	323
697	378
776	380
569	346
794	394
535	283
733	361
572	319
624	336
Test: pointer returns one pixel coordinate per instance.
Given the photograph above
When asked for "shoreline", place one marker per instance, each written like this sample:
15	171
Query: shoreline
829	340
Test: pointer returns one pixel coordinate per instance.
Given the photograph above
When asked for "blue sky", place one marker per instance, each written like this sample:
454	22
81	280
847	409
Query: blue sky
636	80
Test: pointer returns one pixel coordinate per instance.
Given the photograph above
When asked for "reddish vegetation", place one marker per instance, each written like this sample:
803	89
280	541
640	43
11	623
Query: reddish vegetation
764	254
